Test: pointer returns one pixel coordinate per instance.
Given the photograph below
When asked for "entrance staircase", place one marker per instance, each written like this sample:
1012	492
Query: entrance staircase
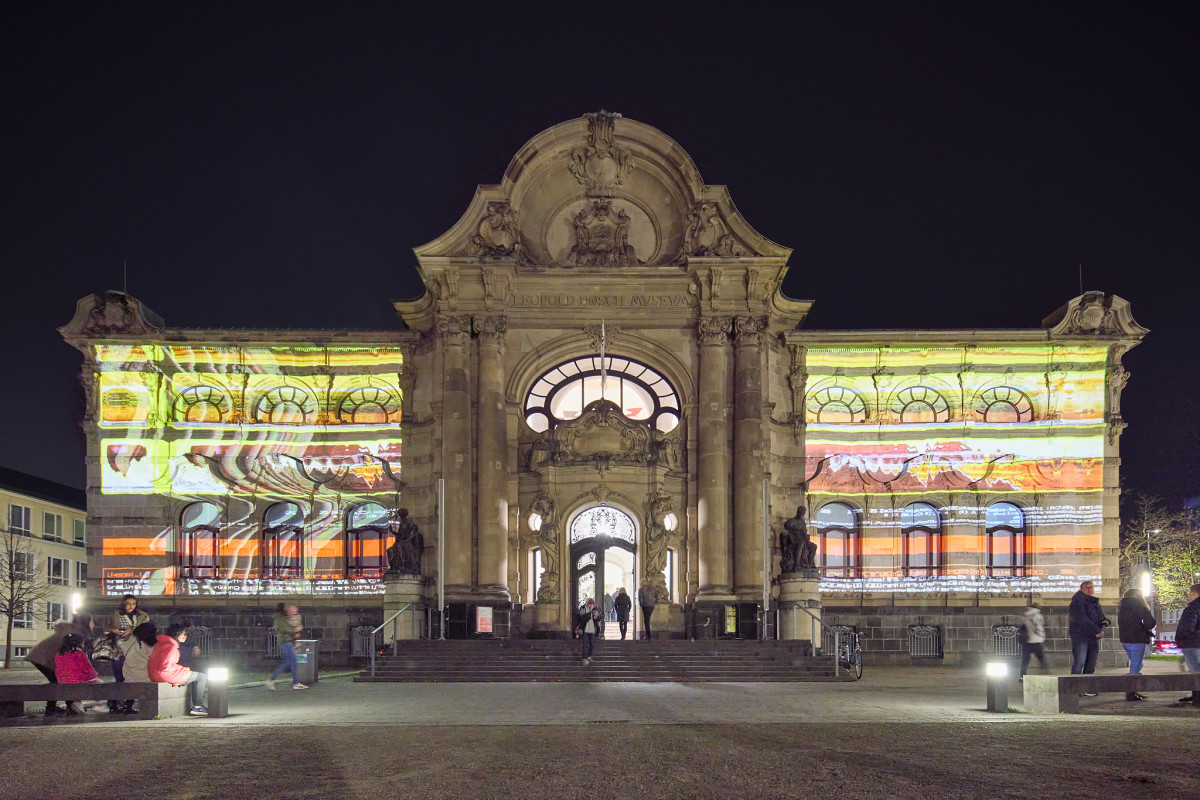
557	660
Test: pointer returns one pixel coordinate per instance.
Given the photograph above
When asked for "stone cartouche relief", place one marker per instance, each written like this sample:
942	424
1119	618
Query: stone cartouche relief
601	166
707	235
602	237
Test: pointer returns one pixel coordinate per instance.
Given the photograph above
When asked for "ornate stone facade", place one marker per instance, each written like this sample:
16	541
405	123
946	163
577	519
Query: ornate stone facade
606	382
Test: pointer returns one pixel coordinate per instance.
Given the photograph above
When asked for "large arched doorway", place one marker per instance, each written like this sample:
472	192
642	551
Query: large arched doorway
603	543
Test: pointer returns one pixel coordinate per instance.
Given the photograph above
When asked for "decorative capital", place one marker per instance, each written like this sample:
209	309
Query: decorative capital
748	329
491	327
715	330
455	330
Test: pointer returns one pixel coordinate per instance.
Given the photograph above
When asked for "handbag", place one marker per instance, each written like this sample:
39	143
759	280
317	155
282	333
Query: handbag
106	649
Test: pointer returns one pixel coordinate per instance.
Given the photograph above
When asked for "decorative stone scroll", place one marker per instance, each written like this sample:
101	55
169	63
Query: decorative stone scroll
707	235
604	435
497	235
601	166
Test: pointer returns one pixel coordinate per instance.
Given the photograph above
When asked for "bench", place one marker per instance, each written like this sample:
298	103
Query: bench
153	699
1050	694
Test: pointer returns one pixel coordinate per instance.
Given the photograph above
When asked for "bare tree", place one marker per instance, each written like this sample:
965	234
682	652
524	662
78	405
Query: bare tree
22	581
1165	539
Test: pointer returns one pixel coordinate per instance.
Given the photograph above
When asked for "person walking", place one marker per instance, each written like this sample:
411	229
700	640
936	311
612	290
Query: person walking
587	625
1187	636
1135	627
1035	636
121	625
288	625
622	604
647	597
1086	624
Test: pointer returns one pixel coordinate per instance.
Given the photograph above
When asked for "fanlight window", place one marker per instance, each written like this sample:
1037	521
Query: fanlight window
921	531
199	540
1004	404
836	404
370	406
602	520
920	404
840	546
587	559
366	540
563	392
1006	540
286	405
202	404
283	542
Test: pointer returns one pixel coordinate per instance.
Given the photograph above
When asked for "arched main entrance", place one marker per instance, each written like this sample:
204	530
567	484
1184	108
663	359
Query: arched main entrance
603	543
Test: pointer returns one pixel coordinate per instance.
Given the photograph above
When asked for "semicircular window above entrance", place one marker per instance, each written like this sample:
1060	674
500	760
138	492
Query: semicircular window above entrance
561	393
602	520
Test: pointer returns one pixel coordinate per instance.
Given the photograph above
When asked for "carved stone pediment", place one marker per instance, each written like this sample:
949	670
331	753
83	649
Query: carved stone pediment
1094	313
602	433
113	314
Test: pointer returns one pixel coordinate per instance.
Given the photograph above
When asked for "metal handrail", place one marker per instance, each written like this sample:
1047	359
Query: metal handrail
837	635
392	619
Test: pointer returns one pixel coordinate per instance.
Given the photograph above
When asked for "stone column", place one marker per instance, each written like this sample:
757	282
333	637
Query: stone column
748	459
491	442
712	468
457	433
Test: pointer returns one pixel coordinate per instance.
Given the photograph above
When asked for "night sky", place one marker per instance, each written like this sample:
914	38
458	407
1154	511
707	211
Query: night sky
930	165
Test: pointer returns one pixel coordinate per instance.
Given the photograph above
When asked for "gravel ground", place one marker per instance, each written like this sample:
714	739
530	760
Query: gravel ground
1119	758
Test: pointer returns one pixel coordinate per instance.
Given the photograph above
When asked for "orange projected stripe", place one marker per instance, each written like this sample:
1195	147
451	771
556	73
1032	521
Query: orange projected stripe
135	546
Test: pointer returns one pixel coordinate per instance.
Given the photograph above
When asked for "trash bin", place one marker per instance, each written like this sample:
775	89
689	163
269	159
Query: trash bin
306	661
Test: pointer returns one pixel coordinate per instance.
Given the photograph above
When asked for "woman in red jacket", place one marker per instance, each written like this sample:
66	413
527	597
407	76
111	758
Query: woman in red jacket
164	668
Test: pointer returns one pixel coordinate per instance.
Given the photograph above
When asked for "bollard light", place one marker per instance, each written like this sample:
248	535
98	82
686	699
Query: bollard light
997	686
76	603
218	691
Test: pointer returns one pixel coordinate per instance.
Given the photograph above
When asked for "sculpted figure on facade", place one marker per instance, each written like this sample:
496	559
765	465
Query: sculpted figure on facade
796	550
404	556
602	237
660	507
548	589
601	166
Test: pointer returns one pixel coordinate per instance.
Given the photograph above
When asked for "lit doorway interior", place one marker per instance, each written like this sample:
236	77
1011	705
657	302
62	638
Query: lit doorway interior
602	560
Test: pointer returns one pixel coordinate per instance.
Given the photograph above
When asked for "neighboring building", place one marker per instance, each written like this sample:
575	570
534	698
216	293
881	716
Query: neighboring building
605	375
48	522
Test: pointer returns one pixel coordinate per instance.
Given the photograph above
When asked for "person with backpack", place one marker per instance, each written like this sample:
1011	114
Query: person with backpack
1031	633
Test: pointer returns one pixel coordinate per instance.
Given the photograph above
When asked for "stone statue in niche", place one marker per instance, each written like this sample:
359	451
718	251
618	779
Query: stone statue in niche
601	166
656	541
548	541
602	237
404	556
796	550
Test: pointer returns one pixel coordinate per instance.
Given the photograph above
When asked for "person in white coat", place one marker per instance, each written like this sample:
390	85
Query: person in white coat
1031	643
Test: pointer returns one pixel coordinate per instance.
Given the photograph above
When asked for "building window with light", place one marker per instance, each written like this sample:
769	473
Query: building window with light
199	540
921	534
366	540
58	571
561	393
839	541
1006	541
283	541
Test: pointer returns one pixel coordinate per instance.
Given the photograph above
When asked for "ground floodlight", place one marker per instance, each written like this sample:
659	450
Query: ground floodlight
218	674
997	669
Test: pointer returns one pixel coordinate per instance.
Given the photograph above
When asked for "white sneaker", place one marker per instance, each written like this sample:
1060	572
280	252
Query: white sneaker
299	686
270	684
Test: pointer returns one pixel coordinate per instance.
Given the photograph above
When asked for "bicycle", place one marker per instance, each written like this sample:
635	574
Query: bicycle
850	653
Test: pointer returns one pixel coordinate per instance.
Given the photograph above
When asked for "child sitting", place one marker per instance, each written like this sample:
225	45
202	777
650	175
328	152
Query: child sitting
71	665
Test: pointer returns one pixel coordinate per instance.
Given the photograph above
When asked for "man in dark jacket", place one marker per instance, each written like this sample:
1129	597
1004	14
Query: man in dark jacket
1086	624
622	604
1187	636
588	626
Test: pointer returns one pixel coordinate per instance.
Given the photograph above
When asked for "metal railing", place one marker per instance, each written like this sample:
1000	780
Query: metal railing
924	641
1005	643
834	632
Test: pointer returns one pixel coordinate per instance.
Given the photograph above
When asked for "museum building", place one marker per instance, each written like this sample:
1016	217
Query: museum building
603	386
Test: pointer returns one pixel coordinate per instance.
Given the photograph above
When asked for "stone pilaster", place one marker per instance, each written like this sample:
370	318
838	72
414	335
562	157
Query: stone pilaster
712	469
748	459
457	433
492	446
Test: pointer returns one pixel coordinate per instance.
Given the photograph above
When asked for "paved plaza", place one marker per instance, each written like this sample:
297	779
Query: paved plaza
900	732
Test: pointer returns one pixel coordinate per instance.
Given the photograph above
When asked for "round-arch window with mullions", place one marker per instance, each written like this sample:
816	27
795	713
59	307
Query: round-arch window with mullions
561	393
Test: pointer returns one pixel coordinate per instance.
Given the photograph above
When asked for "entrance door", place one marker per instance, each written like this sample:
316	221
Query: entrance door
602	548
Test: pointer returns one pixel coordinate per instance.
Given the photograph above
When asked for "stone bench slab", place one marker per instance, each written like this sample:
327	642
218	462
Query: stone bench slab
1050	694
153	699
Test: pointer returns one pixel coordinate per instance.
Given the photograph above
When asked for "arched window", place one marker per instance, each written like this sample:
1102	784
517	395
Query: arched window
199	540
920	404
836	404
1006	540
366	540
283	541
921	532
562	393
202	404
1004	404
840	542
370	406
285	405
